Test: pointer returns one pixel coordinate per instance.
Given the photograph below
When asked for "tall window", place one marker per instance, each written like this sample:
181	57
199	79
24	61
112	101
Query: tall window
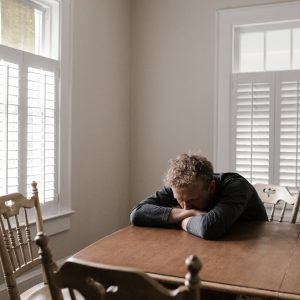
29	97
266	103
263	99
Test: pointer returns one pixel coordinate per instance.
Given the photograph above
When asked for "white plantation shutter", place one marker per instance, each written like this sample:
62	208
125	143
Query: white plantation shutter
288	129
41	129
252	115
266	127
29	125
9	127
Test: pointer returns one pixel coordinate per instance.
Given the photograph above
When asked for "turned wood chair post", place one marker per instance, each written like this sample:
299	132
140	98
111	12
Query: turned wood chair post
38	214
296	208
192	279
50	267
38	217
8	273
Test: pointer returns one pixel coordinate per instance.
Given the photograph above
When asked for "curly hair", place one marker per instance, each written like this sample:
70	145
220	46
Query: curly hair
186	169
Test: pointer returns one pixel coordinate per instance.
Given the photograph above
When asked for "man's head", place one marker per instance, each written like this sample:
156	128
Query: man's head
191	179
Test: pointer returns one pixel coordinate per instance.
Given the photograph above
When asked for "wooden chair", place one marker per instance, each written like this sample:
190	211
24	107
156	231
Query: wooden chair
98	281
274	196
18	252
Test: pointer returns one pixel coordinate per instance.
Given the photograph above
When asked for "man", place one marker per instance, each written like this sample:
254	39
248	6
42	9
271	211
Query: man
200	202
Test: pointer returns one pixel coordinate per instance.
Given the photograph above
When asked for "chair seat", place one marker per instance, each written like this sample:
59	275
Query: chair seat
41	292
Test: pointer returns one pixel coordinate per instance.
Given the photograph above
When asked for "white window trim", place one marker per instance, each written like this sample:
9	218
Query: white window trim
64	179
225	22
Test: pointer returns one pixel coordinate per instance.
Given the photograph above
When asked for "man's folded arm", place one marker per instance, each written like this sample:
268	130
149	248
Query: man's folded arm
150	215
219	220
154	210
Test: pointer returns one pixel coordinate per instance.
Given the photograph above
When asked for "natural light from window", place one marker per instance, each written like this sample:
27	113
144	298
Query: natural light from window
29	26
258	48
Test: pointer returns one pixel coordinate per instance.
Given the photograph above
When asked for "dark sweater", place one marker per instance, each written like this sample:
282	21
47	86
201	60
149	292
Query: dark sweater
235	199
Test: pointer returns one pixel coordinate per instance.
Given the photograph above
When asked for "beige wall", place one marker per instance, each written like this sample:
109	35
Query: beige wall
100	122
172	86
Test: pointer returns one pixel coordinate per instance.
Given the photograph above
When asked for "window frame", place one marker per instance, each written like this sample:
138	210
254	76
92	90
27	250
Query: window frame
226	20
63	203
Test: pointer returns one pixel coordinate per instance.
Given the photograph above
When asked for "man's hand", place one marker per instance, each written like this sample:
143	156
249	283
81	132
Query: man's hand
186	220
177	214
193	213
184	223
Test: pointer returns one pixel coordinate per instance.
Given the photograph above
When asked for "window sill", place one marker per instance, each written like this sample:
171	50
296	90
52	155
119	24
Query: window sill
54	224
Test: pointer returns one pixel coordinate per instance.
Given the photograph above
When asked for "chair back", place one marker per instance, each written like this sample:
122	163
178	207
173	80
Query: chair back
278	197
98	281
16	237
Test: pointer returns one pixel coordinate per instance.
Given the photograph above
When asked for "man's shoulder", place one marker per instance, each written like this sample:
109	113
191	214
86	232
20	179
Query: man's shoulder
228	176
166	190
231	181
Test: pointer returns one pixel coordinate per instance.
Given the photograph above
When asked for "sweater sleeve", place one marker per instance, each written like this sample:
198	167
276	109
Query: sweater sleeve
154	210
231	204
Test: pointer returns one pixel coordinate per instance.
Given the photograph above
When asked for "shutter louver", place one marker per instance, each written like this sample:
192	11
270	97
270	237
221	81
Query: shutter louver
252	110
41	137
289	135
9	127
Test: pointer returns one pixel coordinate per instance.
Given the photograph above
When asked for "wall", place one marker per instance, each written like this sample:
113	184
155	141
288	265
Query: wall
173	84
100	118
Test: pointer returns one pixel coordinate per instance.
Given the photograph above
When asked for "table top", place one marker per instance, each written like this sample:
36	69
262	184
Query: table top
291	282
258	258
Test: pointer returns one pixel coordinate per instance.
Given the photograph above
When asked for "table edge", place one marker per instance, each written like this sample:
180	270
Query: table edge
221	287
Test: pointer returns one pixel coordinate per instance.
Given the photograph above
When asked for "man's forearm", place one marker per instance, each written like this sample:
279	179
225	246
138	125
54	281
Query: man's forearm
177	215
185	221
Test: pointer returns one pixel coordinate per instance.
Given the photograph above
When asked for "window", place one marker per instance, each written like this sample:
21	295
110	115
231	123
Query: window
31	75
31	26
267	47
258	114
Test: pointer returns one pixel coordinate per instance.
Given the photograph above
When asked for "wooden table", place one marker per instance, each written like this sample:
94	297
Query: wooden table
256	258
